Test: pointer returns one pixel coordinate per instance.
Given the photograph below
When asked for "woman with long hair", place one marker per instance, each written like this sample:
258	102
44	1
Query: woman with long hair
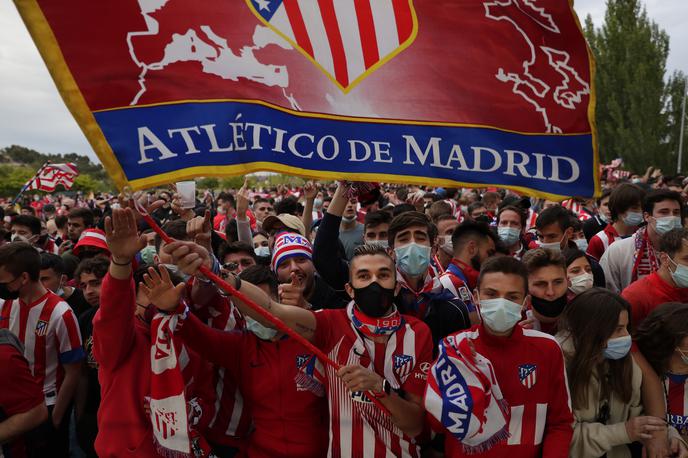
663	338
604	380
578	272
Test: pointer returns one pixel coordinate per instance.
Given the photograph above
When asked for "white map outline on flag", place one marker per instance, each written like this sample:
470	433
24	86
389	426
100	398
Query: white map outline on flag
562	95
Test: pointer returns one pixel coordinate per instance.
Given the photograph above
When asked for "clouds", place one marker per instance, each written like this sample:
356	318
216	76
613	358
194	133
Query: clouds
33	114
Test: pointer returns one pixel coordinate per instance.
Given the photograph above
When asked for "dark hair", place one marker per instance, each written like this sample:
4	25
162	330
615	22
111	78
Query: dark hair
523	216
401	209
61	221
658	195
605	193
175	229
48	208
29	209
555	214
20	257
236	247
571	254
226	197
539	258
467	231
506	265
287	205
661	332
52	261
97	266
260	275
374	219
672	241
623	197
491	197
590	320
369	250
474	205
33	223
83	213
439	208
408	219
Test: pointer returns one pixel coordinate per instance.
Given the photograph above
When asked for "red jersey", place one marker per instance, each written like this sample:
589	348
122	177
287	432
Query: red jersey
529	367
289	420
648	293
357	427
50	334
20	393
677	401
600	242
465	272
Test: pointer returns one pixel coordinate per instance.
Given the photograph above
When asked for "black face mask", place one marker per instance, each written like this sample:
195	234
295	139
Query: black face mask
6	294
550	309
483	219
374	300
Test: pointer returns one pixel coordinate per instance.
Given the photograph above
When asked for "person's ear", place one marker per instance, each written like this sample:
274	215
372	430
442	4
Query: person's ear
63	279
349	290
568	233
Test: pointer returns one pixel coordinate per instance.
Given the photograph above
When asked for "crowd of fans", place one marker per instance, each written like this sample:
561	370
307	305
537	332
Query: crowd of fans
113	343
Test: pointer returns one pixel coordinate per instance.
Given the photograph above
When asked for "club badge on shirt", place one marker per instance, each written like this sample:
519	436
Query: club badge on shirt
41	328
403	364
527	374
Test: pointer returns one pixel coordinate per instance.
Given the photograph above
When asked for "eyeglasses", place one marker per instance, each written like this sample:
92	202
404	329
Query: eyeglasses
244	262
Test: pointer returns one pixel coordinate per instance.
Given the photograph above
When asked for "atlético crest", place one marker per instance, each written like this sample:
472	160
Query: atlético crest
41	328
403	364
527	374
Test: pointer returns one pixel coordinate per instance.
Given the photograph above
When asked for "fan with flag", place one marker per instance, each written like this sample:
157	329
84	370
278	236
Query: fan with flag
49	176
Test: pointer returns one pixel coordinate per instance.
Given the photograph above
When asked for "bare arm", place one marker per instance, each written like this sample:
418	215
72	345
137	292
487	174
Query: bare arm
654	405
20	423
309	192
67	390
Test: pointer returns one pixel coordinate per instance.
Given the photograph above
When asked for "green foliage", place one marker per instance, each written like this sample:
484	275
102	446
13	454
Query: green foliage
676	87
633	119
12	178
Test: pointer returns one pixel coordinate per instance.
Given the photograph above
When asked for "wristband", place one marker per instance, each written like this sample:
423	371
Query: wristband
112	260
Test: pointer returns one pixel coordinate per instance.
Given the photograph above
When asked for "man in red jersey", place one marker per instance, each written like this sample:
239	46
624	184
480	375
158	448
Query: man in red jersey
383	353
528	365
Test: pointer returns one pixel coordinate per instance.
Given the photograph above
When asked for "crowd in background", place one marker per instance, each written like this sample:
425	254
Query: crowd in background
464	322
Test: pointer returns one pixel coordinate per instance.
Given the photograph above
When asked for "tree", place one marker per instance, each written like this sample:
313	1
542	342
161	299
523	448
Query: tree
676	87
630	52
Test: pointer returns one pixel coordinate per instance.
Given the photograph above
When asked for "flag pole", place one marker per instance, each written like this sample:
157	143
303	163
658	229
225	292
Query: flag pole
683	124
27	184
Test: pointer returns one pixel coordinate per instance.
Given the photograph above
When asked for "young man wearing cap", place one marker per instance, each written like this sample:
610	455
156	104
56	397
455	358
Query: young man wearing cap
48	329
292	262
385	355
91	244
528	367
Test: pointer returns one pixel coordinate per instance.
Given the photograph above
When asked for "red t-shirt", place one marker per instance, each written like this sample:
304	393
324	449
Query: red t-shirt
649	292
20	393
597	246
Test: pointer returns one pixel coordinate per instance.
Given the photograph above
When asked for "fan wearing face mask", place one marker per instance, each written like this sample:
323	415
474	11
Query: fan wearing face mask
663	340
559	229
625	207
604	379
511	221
668	284
548	287
578	272
528	366
637	256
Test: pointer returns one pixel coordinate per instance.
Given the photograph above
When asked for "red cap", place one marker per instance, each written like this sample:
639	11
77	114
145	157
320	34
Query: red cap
91	237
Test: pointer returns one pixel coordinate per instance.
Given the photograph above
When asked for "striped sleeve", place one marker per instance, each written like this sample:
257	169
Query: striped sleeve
70	349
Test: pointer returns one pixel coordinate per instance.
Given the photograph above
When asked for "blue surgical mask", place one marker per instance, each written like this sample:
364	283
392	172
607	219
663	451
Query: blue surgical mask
500	314
262	332
633	218
262	251
413	259
317	203
680	274
667	223
618	348
603	217
582	244
509	235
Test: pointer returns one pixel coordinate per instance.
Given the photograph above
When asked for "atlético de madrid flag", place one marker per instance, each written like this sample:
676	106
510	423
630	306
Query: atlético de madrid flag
430	92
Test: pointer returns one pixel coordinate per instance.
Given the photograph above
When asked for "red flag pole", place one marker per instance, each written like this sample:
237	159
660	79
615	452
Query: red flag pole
27	184
229	289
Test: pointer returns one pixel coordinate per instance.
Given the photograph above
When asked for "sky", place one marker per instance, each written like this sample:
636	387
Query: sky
32	113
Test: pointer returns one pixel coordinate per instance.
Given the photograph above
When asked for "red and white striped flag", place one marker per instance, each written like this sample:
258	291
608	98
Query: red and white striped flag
52	175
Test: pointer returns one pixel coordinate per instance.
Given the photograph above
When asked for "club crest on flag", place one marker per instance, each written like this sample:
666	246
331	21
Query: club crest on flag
527	375
346	39
41	328
403	364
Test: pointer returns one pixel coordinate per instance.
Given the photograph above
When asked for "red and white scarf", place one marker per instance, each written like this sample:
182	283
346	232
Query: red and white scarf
375	327
644	257
172	416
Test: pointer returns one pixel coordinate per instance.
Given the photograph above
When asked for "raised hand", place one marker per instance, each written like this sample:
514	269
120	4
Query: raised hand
188	256
292	293
310	190
184	213
199	229
121	234
242	200
160	290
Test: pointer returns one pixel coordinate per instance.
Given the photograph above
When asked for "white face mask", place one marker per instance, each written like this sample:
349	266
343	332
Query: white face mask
447	245
581	283
262	251
553	246
500	314
262	332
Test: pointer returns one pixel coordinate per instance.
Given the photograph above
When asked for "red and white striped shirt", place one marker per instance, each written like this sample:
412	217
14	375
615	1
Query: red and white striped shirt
50	334
357	427
677	402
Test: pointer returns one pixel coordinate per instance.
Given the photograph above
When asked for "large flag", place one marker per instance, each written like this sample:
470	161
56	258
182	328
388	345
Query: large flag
52	175
440	92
